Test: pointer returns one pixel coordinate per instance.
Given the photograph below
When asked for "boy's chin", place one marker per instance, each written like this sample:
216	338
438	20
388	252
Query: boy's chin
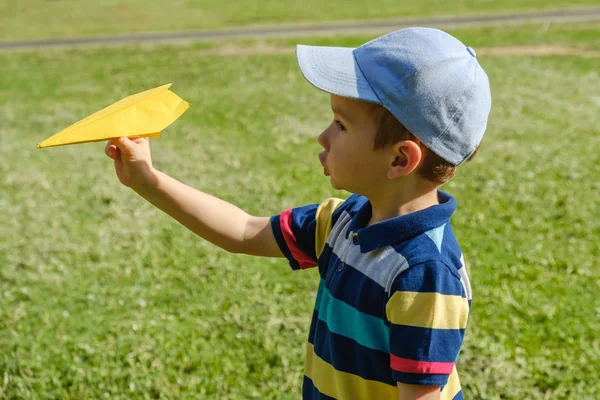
334	184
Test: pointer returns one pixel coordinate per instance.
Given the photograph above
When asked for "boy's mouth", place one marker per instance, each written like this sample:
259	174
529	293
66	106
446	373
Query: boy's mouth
322	156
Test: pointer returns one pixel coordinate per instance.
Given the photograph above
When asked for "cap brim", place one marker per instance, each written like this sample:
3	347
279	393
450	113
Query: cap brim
334	70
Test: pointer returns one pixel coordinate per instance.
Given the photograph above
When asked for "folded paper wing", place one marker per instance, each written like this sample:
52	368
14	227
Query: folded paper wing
144	114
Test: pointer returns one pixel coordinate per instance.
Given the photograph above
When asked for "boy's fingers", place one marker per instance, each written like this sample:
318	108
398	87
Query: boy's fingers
110	150
140	140
123	143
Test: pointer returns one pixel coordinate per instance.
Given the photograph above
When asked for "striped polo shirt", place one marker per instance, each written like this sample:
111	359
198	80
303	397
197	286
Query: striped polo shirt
393	297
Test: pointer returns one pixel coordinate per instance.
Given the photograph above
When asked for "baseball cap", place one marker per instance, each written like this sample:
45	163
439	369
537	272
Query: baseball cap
429	80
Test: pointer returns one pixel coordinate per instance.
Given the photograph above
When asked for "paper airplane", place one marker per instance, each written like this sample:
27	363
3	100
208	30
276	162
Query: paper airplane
144	114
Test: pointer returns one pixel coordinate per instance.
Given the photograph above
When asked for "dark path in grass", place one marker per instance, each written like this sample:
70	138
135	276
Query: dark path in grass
579	14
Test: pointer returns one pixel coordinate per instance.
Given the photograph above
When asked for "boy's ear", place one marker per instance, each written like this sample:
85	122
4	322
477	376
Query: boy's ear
406	157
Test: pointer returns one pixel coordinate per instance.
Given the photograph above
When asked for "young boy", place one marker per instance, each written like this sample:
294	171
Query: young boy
394	297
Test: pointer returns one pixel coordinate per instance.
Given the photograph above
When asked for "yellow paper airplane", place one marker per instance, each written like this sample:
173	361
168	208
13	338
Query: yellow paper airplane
144	114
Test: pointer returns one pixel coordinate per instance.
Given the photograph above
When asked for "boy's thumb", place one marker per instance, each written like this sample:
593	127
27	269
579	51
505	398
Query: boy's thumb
123	143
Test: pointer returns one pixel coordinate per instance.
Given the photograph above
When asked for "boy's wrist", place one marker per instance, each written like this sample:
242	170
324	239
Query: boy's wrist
148	184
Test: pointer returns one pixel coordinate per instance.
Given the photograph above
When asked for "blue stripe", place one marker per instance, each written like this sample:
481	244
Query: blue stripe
313	327
420	379
459	396
345	355
356	289
426	344
430	277
345	320
450	247
304	226
419	249
325	260
276	227
310	392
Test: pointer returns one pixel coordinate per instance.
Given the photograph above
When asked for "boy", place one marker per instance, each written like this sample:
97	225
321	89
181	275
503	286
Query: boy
394	297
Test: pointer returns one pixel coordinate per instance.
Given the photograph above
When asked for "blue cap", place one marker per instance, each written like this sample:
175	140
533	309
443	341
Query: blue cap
429	80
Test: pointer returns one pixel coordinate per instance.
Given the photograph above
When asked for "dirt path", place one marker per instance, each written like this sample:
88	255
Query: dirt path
528	50
538	50
579	14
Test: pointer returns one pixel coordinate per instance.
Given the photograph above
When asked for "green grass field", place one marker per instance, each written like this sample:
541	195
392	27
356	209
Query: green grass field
104	297
42	19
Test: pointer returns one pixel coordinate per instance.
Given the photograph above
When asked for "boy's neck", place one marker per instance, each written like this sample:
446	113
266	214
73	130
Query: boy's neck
402	203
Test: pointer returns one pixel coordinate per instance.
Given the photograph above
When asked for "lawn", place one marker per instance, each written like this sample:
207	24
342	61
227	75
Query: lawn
103	296
42	19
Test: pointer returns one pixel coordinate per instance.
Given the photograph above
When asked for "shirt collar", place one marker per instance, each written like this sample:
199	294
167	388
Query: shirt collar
399	229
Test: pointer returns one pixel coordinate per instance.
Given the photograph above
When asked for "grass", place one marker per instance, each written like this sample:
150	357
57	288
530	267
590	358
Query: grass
43	19
102	296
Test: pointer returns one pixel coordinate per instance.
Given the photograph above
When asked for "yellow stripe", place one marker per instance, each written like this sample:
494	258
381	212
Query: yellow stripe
342	385
428	310
323	217
452	387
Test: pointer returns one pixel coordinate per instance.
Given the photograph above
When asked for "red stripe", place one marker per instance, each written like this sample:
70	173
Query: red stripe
420	367
285	221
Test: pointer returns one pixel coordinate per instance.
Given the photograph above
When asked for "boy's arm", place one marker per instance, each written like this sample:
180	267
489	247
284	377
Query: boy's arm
427	311
211	218
418	392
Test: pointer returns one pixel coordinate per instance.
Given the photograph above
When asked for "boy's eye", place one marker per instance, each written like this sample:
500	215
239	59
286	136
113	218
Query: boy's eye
340	126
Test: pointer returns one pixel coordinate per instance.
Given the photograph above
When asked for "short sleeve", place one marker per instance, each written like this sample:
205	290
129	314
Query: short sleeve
301	232
427	312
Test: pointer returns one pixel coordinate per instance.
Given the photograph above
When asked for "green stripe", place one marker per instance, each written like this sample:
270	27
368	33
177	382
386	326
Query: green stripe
345	320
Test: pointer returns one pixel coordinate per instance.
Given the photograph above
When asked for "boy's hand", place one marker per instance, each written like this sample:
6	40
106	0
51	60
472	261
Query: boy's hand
133	162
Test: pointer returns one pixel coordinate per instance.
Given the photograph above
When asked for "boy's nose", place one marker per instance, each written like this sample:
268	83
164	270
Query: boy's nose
323	140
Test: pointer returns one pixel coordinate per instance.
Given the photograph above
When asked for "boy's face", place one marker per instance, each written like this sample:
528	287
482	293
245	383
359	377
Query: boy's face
349	158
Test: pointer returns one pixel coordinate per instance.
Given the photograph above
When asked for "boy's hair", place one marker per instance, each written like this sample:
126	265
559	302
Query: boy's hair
433	167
